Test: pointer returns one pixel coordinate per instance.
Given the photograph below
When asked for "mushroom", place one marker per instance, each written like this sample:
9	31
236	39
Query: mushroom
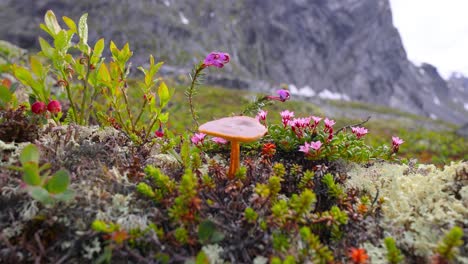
236	129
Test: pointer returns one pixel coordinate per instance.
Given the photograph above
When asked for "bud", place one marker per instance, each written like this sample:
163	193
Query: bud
54	107
38	107
159	133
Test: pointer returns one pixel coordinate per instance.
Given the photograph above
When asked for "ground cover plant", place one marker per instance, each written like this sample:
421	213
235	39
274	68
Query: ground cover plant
93	171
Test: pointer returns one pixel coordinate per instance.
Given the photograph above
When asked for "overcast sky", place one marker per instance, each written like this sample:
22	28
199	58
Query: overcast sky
434	31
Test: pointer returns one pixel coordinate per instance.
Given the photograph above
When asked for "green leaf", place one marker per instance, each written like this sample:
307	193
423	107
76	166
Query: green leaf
30	153
164	117
44	27
70	23
31	174
97	51
83	28
5	94
47	50
23	75
163	93
36	67
202	258
51	23
40	194
104	73
207	233
66	196
61	41
59	182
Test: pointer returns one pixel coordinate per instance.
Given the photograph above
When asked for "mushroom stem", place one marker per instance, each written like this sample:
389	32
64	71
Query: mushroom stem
235	159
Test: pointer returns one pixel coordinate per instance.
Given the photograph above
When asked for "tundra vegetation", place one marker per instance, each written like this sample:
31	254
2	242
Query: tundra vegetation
102	166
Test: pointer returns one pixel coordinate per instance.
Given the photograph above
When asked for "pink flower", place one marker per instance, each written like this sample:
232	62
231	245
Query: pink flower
315	145
159	133
305	148
217	59
54	107
219	140
286	116
308	146
316	120
329	124
359	131
38	107
396	142
261	116
198	138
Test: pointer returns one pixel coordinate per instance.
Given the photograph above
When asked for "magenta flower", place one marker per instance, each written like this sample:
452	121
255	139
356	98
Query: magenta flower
315	145
283	95
219	140
217	59
54	107
261	116
159	133
396	142
198	138
38	107
359	131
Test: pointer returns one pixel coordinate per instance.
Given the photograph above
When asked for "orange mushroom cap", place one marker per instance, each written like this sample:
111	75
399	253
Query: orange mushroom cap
236	128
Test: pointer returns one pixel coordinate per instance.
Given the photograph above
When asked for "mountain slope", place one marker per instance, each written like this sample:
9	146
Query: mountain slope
348	48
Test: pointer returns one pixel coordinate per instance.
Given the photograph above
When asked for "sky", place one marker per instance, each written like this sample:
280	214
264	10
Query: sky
434	31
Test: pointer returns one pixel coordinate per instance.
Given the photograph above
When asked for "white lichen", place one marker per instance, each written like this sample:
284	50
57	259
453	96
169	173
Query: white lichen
213	252
29	210
91	249
419	205
260	260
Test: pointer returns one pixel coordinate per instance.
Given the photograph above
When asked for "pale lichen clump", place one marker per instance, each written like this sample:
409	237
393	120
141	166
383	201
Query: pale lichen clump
420	204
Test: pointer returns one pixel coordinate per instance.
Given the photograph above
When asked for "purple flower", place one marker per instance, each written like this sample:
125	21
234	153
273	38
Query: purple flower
283	95
198	138
219	140
359	131
308	146
217	59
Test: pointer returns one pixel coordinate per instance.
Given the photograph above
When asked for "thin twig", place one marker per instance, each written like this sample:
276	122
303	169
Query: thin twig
349	126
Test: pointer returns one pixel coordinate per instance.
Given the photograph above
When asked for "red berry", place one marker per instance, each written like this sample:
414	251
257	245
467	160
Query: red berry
54	107
38	108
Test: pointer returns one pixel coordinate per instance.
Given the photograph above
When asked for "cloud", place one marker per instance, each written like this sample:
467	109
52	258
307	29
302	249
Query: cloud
435	32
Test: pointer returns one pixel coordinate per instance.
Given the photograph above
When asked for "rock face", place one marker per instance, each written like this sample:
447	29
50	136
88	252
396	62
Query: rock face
348	48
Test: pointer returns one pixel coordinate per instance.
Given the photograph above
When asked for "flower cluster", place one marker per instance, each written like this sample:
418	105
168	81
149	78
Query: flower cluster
261	116
216	59
198	139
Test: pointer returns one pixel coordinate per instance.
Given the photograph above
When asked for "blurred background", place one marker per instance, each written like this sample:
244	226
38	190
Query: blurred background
344	57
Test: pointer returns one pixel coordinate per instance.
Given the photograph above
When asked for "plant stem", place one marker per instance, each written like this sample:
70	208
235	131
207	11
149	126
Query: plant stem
85	90
127	107
190	92
141	112
67	87
235	159
151	127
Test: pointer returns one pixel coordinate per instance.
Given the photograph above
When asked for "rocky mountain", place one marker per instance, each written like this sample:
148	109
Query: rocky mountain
341	49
